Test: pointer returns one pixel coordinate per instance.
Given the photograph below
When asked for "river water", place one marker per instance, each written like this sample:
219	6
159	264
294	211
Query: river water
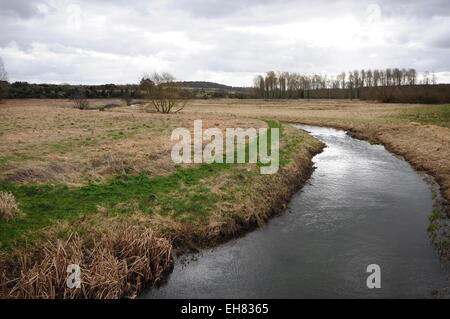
361	206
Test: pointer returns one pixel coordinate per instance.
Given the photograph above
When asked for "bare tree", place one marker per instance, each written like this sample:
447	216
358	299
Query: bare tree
3	73
369	76
79	100
412	75
426	78
433	78
3	81
163	93
397	77
259	86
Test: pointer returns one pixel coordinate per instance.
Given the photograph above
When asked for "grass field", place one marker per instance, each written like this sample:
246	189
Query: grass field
79	174
420	133
85	180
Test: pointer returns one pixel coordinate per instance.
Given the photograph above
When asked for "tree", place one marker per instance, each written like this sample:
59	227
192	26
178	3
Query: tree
79	99
4	85
3	73
163	93
369	76
412	75
433	78
426	78
259	86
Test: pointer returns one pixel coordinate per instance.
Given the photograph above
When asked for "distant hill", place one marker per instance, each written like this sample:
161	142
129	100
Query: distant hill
210	85
204	85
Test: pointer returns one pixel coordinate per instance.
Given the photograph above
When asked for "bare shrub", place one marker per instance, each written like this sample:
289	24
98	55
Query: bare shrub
8	206
79	100
163	93
118	265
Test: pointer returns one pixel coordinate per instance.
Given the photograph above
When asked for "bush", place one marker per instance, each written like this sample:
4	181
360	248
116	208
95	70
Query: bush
79	100
8	206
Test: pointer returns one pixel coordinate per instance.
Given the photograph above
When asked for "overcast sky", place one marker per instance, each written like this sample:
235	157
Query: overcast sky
116	41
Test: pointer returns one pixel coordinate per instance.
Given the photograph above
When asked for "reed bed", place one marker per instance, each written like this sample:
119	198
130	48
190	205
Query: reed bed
118	264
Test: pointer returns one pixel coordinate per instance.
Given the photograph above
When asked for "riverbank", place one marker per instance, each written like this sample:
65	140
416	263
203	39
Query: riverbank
427	149
117	211
419	133
362	205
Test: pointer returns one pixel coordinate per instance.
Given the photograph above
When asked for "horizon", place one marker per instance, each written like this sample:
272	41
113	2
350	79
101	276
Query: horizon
420	75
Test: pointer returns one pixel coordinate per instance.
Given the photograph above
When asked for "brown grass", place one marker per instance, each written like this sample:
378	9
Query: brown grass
119	264
426	147
8	206
47	141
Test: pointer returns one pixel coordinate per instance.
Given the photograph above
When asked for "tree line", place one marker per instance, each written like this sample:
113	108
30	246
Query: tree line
275	85
387	85
25	90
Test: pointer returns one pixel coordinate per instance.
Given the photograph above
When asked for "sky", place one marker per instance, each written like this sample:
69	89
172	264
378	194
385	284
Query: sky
117	41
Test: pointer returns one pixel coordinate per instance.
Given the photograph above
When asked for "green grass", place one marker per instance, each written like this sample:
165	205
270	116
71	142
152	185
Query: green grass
180	195
43	205
429	115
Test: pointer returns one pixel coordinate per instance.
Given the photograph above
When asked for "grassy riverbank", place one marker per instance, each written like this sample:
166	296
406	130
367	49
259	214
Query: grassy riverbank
419	133
98	189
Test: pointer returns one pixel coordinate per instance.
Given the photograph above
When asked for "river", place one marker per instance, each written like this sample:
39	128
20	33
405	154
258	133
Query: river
361	206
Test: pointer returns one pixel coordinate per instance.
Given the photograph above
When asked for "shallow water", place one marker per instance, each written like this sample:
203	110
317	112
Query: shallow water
361	206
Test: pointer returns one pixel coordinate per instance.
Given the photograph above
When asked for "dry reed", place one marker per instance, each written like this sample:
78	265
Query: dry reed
117	265
8	206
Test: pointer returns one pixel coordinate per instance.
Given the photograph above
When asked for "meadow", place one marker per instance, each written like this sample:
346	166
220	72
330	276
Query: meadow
99	188
84	177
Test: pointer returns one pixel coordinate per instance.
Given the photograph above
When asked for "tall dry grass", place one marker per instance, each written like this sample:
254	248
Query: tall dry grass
119	264
8	206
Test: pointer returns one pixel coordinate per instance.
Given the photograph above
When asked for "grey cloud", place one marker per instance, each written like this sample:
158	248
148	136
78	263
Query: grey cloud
20	8
415	8
442	42
213	8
